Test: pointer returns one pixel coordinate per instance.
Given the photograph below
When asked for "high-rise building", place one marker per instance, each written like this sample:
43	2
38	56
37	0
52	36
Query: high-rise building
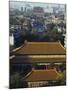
21	9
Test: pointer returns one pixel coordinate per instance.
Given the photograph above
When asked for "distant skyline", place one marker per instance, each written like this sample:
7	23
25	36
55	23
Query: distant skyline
19	4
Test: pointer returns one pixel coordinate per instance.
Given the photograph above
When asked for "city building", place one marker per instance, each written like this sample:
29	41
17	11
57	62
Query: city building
48	10
28	10
22	9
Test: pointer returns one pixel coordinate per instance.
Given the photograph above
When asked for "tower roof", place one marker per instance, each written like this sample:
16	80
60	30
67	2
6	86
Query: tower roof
38	10
42	75
42	48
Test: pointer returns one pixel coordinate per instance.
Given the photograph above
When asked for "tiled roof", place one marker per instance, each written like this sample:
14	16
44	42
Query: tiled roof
42	48
38	59
42	75
38	9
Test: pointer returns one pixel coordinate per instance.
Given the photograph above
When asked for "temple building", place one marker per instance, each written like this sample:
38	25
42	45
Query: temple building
38	11
40	78
46	58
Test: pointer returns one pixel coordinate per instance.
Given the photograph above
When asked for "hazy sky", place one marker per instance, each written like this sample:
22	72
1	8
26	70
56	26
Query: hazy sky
19	4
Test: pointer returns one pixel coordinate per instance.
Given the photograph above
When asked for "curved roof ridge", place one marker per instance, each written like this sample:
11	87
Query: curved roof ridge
28	74
43	42
61	45
43	70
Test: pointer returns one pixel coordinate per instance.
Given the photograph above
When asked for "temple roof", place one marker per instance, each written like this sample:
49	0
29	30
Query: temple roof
42	75
38	10
41	48
38	59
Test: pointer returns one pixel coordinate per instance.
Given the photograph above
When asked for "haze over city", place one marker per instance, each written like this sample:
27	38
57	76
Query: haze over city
19	4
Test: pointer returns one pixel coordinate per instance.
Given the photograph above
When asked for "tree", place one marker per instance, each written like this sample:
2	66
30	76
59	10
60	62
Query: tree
16	81
62	80
22	20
